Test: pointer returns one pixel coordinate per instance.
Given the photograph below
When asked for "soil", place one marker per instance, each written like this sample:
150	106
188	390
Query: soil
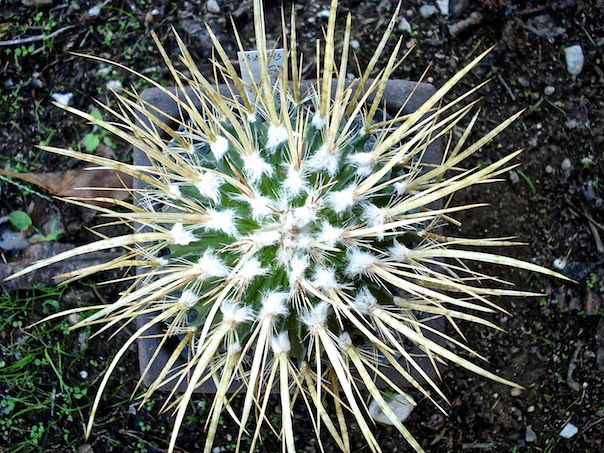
553	344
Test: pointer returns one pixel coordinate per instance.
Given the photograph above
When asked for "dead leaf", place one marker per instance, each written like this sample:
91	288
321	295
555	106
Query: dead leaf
87	182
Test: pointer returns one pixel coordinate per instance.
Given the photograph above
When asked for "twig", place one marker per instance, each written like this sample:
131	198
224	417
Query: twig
17	42
507	87
461	26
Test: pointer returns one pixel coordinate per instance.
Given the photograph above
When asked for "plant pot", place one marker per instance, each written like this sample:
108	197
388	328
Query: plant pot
400	94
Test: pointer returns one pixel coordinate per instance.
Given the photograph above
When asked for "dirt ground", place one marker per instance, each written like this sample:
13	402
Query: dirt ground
553	201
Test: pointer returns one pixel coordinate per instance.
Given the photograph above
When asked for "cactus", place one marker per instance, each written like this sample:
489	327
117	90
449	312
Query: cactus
290	240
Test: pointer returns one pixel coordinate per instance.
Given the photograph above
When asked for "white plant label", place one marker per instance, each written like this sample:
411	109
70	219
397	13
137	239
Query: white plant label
250	70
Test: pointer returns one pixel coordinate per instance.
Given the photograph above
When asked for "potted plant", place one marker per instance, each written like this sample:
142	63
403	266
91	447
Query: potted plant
289	240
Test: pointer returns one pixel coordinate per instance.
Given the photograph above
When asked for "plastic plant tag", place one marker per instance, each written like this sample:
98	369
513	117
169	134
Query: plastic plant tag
250	71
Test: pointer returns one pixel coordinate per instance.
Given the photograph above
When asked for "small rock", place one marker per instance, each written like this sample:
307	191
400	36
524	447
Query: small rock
84	374
559	263
400	405
443	5
13	240
323	14
115	86
566	164
96	10
514	178
569	431
574	59
213	7
549	90
404	25
62	98
515	392
355	44
427	11
530	435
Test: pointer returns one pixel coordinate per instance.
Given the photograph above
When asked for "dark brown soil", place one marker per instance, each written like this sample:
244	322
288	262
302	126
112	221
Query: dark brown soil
553	201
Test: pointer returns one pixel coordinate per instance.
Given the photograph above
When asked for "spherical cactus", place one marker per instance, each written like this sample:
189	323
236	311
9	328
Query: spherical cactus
289	239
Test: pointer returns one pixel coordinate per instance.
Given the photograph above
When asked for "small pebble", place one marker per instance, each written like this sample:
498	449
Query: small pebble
574	59
213	7
569	431
559	263
427	10
62	98
400	405
514	178
566	164
84	374
549	169
515	392
323	14
443	5
530	435
549	90
355	44
95	10
404	26
114	85
530	409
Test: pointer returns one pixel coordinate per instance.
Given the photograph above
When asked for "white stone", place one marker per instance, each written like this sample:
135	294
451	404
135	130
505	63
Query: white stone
115	86
427	10
443	5
399	404
213	7
569	431
404	25
62	98
574	59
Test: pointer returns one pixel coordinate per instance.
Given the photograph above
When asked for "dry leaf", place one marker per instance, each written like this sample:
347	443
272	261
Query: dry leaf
87	182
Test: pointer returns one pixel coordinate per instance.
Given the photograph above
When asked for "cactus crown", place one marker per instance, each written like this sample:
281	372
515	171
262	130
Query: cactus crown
289	239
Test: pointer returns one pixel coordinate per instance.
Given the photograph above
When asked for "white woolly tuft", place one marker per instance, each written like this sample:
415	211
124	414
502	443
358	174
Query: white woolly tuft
161	261
208	185
359	262
316	317
329	235
318	121
400	188
325	279
342	200
325	160
188	299
222	221
252	117
276	136
219	147
374	215
280	343
264	238
304	215
251	269
365	301
274	304
211	266
294	183
297	265
399	252
181	236
345	341
261	205
174	190
255	166
364	163
234	313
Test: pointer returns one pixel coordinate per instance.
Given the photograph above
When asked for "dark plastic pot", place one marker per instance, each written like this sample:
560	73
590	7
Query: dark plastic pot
399	94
